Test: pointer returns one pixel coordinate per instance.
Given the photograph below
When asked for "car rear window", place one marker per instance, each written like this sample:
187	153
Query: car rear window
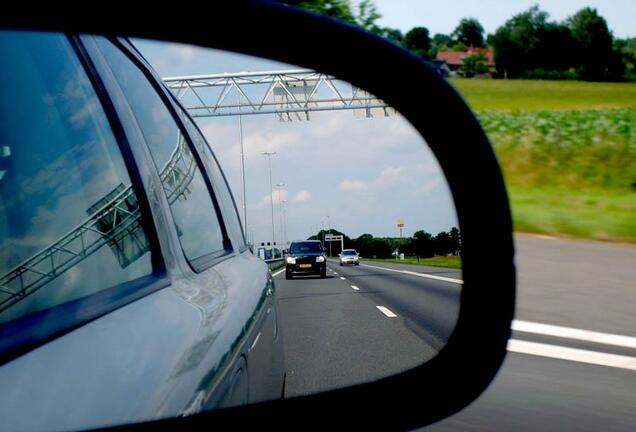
220	184
191	203
308	247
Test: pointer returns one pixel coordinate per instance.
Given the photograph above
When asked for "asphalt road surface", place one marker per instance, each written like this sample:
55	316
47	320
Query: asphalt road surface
362	323
577	285
571	362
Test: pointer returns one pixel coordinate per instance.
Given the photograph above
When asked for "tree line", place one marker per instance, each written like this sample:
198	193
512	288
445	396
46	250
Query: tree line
528	45
422	244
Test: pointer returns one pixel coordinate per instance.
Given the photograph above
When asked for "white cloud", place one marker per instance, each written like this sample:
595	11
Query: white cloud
302	197
428	186
176	55
392	172
224	133
391	177
275	198
352	185
257	143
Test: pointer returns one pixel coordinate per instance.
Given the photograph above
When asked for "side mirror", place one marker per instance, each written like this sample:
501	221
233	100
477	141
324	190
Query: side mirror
439	384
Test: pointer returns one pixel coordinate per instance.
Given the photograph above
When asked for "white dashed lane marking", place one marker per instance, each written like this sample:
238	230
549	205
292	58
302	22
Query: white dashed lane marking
412	273
386	311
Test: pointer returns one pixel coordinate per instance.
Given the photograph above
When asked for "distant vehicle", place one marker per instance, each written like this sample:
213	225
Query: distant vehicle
349	256
306	257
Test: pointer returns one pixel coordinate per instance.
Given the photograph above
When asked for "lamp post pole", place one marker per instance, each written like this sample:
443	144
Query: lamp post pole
329	225
271	193
243	203
278	187
284	222
322	225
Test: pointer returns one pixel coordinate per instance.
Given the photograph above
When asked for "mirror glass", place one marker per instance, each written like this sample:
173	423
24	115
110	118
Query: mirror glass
311	157
308	243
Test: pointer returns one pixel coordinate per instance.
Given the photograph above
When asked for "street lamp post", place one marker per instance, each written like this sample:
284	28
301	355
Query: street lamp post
278	187
322	225
284	222
240	122
329	225
271	192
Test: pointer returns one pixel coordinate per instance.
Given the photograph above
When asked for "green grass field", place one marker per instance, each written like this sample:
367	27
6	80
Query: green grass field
439	261
537	95
593	214
567	150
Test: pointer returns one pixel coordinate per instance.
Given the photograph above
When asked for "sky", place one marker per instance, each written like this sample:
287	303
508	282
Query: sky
443	16
358	175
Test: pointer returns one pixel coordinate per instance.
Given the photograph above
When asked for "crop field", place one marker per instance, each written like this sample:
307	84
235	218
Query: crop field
570	167
570	149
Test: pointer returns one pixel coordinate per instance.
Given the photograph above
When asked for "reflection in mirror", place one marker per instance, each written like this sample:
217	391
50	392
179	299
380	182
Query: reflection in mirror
67	208
320	168
335	190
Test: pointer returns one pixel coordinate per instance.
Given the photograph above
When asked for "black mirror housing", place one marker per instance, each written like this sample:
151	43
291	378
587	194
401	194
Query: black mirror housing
476	349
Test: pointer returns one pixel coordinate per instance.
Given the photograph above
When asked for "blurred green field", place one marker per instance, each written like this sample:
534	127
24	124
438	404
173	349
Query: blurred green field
576	150
568	153
539	95
593	214
438	261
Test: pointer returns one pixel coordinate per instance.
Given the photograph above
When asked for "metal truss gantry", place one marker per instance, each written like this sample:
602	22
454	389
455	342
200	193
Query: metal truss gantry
289	94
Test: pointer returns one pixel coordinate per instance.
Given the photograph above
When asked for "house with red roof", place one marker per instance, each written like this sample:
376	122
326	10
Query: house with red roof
455	59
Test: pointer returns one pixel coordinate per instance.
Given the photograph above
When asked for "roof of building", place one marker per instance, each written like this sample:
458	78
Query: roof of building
456	58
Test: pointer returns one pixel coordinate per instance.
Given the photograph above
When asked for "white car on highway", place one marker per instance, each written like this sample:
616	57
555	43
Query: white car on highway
349	256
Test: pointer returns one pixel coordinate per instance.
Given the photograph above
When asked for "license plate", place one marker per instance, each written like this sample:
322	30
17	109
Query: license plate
304	265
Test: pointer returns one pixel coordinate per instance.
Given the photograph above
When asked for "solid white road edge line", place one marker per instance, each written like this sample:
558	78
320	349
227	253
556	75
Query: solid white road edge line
278	272
386	311
424	275
574	333
557	331
572	354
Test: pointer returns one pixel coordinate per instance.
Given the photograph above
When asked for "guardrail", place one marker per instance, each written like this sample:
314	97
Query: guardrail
275	263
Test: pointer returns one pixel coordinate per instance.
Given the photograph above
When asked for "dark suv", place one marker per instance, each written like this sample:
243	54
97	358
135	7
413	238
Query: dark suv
127	290
306	257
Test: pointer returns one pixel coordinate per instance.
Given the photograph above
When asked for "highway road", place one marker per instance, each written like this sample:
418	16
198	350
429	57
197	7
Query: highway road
362	323
573	284
370	321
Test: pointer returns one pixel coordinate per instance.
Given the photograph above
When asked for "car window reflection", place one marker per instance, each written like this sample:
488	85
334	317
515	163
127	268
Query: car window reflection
69	218
190	202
